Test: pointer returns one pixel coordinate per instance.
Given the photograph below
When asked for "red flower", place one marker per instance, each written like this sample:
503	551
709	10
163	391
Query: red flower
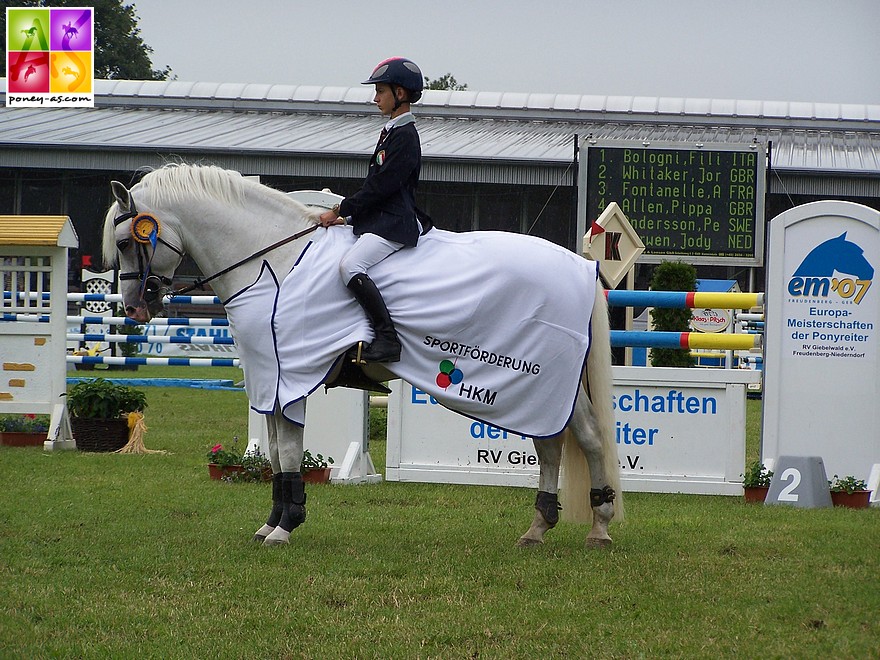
216	448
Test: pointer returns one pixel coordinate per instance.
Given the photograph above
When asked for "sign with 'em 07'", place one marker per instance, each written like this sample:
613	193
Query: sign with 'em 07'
703	203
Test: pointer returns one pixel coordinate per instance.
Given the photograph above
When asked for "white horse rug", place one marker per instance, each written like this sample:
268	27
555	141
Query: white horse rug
493	325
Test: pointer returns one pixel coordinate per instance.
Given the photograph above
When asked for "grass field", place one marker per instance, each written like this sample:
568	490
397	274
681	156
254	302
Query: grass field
127	556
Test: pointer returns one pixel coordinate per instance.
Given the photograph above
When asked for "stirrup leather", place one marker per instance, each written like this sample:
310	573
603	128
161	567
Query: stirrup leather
358	358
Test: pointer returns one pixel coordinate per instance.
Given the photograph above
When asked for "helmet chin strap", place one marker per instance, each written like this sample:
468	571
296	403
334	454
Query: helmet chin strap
397	101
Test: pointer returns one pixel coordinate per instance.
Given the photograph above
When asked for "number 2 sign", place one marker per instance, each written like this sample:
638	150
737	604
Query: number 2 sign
799	481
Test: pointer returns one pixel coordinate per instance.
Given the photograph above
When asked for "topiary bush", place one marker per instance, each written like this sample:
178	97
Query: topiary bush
672	276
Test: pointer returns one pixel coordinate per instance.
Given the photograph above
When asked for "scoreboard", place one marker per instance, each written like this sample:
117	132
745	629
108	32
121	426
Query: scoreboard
697	203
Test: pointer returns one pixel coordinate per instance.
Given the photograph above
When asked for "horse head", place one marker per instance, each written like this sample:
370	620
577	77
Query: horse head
146	251
836	254
851	259
208	213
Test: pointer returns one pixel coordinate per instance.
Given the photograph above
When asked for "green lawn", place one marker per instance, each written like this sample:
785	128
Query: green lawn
124	556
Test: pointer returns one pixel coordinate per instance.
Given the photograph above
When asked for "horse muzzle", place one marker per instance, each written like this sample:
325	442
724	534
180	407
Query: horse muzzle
149	302
141	313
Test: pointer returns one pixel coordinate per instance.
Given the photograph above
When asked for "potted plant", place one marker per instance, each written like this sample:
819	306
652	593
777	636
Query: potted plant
849	492
756	482
255	467
99	412
224	462
23	430
315	468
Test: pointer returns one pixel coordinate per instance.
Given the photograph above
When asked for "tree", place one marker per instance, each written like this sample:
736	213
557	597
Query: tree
446	81
120	52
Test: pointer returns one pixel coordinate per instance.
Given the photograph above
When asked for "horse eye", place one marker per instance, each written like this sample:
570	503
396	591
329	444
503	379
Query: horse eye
122	245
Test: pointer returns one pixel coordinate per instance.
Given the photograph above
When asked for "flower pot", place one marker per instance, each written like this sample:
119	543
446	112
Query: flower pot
861	499
317	476
99	434
22	439
219	471
755	493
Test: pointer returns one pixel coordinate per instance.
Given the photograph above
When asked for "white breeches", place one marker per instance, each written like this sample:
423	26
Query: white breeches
367	251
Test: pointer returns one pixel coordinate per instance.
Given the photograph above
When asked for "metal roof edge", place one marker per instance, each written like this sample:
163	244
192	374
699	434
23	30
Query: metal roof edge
52	156
467	104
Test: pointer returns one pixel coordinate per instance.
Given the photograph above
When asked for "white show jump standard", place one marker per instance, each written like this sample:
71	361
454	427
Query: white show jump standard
33	263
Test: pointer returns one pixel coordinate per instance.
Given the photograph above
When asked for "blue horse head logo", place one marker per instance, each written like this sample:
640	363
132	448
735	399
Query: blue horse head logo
836	254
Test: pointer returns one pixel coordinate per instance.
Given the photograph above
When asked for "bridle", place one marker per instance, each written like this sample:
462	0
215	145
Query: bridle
153	286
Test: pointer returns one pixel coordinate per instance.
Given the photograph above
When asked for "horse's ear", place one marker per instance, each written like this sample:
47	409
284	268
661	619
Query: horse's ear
122	195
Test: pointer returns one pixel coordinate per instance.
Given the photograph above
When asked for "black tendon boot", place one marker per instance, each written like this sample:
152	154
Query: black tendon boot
277	502
548	506
386	346
277	510
293	498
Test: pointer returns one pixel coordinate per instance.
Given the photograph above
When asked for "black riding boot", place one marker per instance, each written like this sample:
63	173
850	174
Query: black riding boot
293	497
386	346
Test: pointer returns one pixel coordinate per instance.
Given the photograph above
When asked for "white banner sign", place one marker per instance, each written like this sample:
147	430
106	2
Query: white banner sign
678	430
822	383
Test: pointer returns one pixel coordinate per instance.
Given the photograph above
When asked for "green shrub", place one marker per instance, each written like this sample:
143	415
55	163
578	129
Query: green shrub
848	484
672	276
126	349
102	399
756	475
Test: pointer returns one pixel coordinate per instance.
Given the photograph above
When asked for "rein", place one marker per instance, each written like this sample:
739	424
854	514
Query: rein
200	283
144	275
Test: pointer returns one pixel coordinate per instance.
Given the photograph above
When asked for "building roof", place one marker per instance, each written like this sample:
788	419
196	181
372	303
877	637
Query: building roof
466	135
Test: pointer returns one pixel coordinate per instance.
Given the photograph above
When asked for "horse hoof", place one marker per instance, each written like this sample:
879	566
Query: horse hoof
277	537
599	544
271	541
524	542
261	534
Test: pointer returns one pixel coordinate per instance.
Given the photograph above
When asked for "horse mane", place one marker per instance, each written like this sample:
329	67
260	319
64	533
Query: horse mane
179	182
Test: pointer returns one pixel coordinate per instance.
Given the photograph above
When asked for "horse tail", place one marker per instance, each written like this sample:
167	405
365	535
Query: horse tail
575	482
575	495
601	389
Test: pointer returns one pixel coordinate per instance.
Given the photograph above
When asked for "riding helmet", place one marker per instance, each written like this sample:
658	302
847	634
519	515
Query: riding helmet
399	71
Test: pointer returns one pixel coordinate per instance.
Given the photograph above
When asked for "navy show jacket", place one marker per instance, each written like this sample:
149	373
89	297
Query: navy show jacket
386	204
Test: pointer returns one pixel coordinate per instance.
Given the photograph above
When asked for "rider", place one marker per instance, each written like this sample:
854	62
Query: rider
383	212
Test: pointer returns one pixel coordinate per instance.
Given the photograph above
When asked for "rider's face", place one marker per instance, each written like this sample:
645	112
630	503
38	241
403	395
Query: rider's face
384	98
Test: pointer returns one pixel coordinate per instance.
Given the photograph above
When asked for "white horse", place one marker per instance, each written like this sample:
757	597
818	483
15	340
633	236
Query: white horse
226	223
